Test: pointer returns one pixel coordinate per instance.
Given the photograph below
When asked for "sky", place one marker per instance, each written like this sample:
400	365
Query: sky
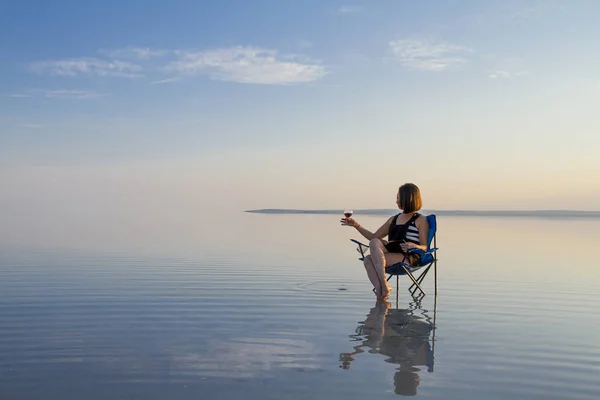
234	105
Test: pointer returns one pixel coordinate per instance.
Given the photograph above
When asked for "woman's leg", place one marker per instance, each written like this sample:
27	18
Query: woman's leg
379	262
381	258
372	274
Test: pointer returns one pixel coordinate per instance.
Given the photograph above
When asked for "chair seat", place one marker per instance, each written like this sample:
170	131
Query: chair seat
397	269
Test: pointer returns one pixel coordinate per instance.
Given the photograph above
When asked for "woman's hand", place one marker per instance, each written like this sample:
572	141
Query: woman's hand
349	222
407	245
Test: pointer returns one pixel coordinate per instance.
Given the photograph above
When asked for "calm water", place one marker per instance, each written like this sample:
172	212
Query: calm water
278	307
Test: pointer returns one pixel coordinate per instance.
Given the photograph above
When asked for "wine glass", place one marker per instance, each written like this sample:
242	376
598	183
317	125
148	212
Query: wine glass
348	213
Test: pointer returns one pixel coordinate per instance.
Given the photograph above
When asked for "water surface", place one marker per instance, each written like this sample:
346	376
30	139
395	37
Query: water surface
281	308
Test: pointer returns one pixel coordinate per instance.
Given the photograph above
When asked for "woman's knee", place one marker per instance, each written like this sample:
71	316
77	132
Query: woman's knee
375	242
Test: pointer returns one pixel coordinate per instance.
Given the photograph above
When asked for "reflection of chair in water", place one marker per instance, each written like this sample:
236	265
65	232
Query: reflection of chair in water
403	337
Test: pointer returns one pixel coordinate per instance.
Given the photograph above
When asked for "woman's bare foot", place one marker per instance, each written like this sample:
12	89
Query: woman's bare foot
385	293
383	299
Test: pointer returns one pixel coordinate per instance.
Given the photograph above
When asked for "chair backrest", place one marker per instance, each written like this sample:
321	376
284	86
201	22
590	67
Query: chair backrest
432	230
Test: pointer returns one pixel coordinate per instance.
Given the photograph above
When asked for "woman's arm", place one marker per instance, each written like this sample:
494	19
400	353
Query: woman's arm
380	233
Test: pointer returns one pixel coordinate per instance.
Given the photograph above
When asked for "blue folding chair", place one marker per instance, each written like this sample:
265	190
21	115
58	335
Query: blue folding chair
428	259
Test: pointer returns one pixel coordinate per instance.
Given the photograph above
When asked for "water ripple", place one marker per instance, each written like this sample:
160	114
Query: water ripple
89	325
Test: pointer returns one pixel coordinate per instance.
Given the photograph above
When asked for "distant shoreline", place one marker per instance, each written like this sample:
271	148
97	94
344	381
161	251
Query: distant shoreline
457	213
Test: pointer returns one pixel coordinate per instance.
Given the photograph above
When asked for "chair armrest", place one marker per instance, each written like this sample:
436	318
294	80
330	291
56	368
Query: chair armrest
427	257
417	250
421	251
359	243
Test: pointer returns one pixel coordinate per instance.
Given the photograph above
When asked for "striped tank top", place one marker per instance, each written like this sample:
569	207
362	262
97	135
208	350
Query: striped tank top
404	232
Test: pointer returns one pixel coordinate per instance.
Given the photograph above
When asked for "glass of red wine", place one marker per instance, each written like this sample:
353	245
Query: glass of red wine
348	213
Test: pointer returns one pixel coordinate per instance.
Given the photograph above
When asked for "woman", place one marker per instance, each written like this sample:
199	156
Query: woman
405	230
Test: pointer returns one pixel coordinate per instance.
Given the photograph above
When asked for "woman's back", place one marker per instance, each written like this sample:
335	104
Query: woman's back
407	231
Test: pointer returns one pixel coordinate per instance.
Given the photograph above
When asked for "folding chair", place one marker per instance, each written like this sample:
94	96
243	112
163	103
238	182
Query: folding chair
428	259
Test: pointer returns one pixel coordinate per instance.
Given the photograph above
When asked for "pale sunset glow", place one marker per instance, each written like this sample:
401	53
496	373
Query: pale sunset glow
484	106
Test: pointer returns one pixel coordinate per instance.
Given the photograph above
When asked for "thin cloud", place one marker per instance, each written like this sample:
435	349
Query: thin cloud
88	67
168	80
72	94
247	65
140	53
536	9
504	66
499	75
426	55
503	74
348	9
61	94
235	64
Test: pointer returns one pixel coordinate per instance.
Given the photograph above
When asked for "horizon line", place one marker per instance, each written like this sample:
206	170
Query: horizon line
480	213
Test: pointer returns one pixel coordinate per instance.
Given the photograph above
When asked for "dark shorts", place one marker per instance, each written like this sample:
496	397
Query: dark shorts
394	247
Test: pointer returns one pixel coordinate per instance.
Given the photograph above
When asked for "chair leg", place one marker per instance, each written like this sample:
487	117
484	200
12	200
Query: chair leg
415	283
435	263
435	274
421	294
420	279
411	287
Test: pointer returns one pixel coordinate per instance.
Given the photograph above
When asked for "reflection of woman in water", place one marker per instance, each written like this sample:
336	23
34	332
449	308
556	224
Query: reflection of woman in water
402	337
406	230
